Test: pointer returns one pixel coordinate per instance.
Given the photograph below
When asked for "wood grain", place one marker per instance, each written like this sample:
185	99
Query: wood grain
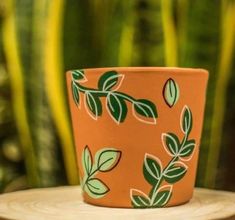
66	203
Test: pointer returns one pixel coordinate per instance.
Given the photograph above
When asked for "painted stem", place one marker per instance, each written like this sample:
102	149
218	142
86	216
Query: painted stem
101	93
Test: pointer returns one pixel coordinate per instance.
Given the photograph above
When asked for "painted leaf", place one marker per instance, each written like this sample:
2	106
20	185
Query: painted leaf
186	120
107	159
87	160
139	199
93	104
116	107
145	108
162	196
171	92
96	188
152	169
187	149
109	79
175	172
75	93
171	143
78	75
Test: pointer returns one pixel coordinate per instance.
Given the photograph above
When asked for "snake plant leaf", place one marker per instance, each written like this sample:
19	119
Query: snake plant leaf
116	107
152	169
110	79
96	188
107	159
171	143
186	120
87	160
171	92
93	104
146	108
78	75
75	92
175	172
162	196
139	199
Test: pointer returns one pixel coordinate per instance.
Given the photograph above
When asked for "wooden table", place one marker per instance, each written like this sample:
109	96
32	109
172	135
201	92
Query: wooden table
65	203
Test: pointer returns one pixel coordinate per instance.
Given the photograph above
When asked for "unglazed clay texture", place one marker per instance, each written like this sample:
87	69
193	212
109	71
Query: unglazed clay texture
137	133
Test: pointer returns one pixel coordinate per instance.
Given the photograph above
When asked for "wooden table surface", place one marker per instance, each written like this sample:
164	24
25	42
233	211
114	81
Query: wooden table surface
65	203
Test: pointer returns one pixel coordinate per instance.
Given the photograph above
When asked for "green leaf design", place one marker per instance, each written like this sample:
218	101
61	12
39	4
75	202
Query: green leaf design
96	188
175	172
187	149
145	108
171	92
107	159
139	199
171	143
162	197
108	80
93	104
75	92
78	75
186	120
152	169
116	107
87	160
116	102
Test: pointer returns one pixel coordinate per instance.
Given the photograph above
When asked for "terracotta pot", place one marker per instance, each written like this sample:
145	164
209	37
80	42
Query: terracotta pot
137	133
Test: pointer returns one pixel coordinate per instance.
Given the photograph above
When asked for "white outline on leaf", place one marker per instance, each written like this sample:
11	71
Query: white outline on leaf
169	188
79	80
136	115
107	108
120	78
182	115
148	169
95	117
164	144
138	193
190	157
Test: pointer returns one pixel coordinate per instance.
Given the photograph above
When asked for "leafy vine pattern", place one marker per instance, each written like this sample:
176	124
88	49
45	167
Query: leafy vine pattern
105	160
116	102
155	174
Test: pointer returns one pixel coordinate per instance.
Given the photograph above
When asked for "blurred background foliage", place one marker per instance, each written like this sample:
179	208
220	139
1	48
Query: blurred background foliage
40	39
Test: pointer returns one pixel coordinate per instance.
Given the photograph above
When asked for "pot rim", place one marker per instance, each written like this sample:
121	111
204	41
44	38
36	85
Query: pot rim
149	69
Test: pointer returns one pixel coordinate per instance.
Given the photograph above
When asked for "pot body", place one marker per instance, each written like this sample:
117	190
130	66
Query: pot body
137	133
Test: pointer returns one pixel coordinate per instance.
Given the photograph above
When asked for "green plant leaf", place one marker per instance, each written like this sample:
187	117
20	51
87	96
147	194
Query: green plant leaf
96	188
175	172
117	107
145	108
93	104
107	159
78	75
87	160
152	169
139	199
162	196
186	120
75	93
187	149
109	79
171	143
171	92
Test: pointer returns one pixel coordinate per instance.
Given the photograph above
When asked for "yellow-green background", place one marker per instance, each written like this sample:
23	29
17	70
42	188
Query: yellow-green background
40	39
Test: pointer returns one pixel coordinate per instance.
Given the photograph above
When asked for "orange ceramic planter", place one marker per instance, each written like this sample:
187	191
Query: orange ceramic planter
137	132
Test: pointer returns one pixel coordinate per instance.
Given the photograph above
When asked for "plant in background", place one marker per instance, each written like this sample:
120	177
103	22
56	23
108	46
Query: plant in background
108	84
105	160
155	174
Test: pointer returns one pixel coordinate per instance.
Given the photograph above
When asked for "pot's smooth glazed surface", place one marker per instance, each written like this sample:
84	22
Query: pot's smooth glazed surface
137	133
